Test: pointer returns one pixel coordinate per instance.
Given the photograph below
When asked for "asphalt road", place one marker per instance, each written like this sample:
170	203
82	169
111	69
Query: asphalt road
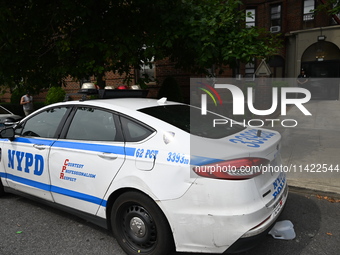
31	228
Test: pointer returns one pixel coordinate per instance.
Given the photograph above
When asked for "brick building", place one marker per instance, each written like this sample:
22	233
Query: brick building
311	41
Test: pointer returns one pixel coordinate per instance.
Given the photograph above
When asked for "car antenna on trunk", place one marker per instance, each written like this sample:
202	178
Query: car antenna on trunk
259	132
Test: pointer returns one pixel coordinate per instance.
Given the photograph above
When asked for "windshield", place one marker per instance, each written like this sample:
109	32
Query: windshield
4	111
191	120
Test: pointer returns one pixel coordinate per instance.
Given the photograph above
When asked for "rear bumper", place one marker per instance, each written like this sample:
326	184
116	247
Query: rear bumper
247	243
277	208
213	224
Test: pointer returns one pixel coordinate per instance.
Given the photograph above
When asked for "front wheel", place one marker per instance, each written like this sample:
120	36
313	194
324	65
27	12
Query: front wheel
139	226
2	191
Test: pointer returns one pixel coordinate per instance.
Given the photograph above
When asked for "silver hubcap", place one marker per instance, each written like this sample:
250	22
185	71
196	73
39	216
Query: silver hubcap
137	226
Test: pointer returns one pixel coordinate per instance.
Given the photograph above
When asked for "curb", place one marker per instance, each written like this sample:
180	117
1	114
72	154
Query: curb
308	191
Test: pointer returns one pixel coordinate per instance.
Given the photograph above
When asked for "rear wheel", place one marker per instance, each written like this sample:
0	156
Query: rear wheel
139	226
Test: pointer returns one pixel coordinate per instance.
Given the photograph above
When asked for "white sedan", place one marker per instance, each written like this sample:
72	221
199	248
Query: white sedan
155	172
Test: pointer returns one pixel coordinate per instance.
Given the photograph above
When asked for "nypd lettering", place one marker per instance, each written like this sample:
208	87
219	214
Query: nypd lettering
279	184
26	162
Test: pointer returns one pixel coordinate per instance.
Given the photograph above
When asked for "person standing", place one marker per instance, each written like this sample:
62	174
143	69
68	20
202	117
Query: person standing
302	81
302	78
27	103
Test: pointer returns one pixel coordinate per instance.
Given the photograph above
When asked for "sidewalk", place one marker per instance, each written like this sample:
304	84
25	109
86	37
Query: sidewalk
312	149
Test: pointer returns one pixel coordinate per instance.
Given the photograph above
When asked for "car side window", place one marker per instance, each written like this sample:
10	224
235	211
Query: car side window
43	124
134	131
93	124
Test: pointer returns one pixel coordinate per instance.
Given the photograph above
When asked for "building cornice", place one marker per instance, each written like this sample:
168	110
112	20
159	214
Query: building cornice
335	27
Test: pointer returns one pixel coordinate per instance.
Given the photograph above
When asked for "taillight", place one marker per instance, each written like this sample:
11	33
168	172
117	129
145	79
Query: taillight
235	169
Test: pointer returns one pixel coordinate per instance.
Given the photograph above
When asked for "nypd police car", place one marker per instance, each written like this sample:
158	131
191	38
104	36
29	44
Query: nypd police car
150	171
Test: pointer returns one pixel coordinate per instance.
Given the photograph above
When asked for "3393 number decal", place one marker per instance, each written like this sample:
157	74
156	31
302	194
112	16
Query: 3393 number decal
177	158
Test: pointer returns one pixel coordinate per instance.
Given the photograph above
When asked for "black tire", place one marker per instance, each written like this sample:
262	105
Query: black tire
2	191
139	225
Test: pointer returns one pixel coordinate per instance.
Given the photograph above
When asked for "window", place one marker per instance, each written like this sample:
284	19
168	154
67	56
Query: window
94	125
133	131
191	120
336	16
4	111
44	124
148	70
249	71
275	17
308	6
250	17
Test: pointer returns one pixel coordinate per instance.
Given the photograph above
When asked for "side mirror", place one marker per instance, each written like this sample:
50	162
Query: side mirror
9	119
10	122
7	133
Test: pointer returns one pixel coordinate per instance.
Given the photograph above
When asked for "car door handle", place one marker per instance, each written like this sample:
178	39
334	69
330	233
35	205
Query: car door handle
40	146
110	156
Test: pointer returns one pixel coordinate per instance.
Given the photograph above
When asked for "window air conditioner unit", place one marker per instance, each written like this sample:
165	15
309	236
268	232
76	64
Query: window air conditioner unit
275	29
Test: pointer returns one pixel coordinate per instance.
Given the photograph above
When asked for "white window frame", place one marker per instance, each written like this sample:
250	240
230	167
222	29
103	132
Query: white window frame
249	74
275	15
251	21
308	6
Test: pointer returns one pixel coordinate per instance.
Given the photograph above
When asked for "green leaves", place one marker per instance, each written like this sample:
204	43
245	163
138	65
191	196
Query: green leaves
43	42
332	7
215	33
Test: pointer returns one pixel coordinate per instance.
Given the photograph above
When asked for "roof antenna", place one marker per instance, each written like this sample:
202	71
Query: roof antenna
162	101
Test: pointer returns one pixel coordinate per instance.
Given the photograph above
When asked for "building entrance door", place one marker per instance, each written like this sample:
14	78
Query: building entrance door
321	62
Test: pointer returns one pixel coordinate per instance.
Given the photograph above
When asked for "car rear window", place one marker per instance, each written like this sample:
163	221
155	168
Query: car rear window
191	120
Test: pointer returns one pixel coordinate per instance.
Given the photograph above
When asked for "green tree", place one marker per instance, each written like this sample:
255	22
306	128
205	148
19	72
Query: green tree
214	33
42	42
55	95
332	7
